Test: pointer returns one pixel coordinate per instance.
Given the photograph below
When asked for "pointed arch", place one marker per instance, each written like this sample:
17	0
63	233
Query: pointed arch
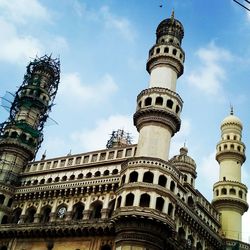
78	209
96	208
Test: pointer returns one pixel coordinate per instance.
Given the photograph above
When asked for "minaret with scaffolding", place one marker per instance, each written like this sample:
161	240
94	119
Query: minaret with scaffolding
21	135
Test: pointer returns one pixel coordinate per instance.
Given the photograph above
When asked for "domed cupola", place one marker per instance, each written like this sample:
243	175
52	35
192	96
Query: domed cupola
185	164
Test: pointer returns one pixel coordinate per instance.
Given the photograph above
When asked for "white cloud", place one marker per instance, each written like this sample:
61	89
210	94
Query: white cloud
72	88
121	24
23	11
97	137
211	73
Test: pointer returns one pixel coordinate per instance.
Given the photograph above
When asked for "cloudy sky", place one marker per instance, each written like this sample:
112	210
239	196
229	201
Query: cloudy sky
103	47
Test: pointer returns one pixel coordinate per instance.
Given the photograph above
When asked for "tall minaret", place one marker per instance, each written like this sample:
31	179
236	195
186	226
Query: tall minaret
230	195
21	135
159	106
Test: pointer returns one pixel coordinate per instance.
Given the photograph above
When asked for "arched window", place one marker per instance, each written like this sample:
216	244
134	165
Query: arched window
57	179
123	179
96	210
42	181
4	219
225	146
78	209
158	50
35	182
106	247
148	177
232	146
223	191
89	175
49	180
240	194
72	177
148	101
115	171
190	201
16	215
106	172
166	50
30	215
133	177
10	202
129	199
144	200
170	209
64	178
238	148
177	109
80	176
119	200
232	191
185	177
111	207
14	134
170	104
159	203
45	214
181	234
97	174
159	100
172	186
162	181
2	198
174	52
217	192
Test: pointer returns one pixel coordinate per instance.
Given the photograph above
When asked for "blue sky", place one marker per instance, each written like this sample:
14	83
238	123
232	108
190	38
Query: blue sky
103	47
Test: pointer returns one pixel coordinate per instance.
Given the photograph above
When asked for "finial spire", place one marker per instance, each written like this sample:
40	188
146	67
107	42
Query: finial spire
172	15
231	109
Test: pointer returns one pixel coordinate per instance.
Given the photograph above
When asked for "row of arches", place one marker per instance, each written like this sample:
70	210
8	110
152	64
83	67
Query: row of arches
45	214
148	177
35	93
71	177
230	191
22	137
166	50
232	147
144	201
3	200
159	101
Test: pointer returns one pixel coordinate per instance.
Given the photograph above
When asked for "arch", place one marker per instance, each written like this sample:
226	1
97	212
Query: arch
198	246
239	148
45	214
170	104
133	177
72	177
10	202
225	146
185	177
89	175
96	207
5	219
14	134
115	171
145	200
232	191
170	209
217	192
174	51
119	201
78	209
159	101
16	215
35	182
2	198
49	180
64	178
129	199
181	234
162	180
224	191
177	109
106	172
97	173
159	203
240	194
190	201
148	101
232	146
123	179
190	241
30	215
166	50
23	137
172	186
42	181
111	207
106	247
80	176
158	50
148	177
57	179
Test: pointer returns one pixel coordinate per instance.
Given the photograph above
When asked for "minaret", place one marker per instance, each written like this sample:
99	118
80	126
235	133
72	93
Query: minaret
157	117
230	195
21	135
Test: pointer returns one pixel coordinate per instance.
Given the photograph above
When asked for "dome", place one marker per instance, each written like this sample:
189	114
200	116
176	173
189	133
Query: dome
231	120
170	26
184	162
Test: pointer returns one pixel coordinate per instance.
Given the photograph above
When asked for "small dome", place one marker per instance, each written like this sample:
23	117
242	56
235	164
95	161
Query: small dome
231	120
184	162
170	26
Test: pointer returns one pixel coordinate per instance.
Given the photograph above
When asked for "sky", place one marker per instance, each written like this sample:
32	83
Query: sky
103	47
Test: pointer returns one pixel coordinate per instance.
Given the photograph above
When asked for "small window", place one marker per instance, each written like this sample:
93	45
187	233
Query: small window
177	109
162	181
89	175
145	200
172	186
170	104
133	177
148	177
159	203
115	171
223	191
174	52
159	101
158	50
148	101
166	50
80	176
129	199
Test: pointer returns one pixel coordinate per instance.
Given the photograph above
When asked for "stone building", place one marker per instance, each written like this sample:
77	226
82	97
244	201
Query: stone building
124	197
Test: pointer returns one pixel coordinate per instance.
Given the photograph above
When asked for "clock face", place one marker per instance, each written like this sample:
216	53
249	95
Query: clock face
61	212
